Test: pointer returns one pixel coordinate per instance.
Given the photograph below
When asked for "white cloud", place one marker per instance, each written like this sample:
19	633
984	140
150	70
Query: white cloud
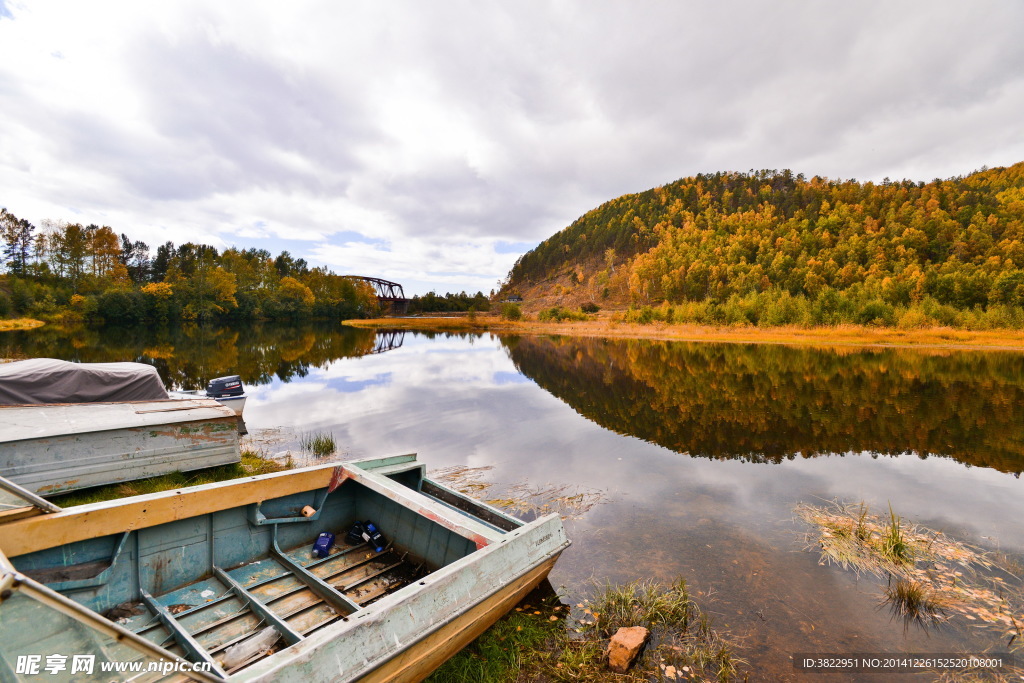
456	125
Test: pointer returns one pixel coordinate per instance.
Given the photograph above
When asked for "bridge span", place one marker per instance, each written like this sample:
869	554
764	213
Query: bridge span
390	294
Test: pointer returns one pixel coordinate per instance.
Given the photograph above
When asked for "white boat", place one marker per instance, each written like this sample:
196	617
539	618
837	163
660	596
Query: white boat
57	447
227	391
66	426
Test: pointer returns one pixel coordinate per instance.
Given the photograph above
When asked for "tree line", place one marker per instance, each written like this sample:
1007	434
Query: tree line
431	302
770	247
187	356
70	270
769	403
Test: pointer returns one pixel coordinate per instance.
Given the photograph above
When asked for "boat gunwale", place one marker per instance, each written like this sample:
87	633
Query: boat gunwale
92	520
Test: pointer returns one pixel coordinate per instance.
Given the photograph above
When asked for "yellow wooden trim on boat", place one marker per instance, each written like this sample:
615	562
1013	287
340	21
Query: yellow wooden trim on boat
19	513
139	512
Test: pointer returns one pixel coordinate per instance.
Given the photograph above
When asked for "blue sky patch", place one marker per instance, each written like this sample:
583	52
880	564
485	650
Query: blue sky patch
502	247
503	377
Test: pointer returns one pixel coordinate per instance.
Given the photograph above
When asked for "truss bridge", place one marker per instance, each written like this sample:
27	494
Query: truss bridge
390	294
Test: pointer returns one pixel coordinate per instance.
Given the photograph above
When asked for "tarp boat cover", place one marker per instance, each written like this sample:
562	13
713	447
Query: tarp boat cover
48	380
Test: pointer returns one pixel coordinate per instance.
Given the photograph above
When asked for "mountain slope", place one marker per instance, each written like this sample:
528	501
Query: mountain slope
768	236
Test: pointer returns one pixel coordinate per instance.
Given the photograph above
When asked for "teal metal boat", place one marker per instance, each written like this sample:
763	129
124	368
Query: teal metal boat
221	581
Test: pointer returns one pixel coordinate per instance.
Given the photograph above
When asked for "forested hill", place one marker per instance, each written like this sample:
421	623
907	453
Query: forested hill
743	242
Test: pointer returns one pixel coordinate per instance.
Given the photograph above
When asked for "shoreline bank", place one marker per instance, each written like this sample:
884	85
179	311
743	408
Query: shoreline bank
20	324
943	338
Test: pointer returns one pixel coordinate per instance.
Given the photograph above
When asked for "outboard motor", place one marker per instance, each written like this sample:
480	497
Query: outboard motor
225	386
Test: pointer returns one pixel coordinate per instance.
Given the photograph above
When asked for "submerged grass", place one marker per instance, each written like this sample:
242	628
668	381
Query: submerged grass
521	499
320	444
932	578
915	602
852	538
543	642
252	463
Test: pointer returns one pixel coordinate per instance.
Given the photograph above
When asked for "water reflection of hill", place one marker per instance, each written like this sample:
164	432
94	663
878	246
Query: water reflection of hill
765	403
188	356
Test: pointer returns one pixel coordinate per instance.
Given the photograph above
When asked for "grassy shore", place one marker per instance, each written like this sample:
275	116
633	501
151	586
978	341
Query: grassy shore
545	640
19	324
607	326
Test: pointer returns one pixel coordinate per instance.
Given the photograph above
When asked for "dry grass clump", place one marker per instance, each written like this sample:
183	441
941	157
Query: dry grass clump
683	646
932	577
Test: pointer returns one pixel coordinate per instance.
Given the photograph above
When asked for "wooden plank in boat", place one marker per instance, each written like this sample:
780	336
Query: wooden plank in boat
310	618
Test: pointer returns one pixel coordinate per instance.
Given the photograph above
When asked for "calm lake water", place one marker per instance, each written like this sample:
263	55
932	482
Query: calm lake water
693	455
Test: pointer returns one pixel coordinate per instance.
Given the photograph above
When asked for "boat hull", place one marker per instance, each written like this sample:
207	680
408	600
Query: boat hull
209	566
235	403
55	448
422	658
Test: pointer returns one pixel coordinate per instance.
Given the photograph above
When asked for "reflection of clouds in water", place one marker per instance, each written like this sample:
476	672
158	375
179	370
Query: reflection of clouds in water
450	400
347	385
724	524
438	401
936	492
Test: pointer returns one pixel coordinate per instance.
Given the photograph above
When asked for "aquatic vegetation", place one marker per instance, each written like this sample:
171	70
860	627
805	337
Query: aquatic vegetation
894	543
566	500
932	578
915	602
468	480
522	499
320	444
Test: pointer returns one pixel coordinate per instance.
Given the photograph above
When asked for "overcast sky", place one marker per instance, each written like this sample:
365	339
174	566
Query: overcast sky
432	143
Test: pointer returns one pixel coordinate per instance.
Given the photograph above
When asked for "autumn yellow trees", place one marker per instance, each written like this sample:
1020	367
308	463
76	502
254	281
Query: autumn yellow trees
731	246
91	272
